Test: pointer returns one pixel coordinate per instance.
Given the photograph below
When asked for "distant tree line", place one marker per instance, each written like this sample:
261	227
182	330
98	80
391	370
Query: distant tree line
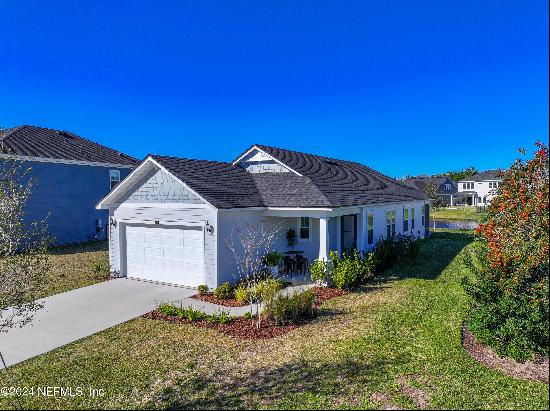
456	175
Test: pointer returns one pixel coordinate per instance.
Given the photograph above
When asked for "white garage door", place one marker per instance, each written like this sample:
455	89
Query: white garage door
166	254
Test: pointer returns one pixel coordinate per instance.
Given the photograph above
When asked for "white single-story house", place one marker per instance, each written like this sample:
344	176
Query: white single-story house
171	218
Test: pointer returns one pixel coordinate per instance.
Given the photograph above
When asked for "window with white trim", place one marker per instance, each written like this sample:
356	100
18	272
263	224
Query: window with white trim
304	228
393	223
412	218
447	187
388	224
423	212
114	178
405	219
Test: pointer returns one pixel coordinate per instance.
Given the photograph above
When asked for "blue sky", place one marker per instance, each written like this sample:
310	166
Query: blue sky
405	87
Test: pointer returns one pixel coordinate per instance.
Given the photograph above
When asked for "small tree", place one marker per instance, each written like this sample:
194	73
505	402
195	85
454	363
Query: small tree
249	244
23	246
509	295
436	200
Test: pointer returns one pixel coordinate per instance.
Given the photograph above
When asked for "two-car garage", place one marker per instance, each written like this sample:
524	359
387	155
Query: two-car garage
165	253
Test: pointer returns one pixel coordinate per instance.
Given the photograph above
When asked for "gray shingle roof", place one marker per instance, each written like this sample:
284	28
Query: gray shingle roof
221	184
288	190
42	142
486	175
324	183
422	182
345	183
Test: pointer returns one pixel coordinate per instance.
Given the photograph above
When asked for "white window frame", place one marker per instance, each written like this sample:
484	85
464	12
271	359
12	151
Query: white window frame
299	231
411	216
405	220
447	187
113	173
370	228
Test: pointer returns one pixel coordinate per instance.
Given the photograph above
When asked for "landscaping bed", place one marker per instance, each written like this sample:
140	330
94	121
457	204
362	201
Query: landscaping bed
246	328
535	370
243	328
212	298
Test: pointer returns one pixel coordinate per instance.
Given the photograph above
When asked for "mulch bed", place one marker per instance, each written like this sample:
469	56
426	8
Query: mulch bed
325	293
240	327
536	370
211	298
246	328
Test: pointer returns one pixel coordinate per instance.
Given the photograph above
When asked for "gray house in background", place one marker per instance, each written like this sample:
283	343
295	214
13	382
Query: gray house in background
71	175
445	187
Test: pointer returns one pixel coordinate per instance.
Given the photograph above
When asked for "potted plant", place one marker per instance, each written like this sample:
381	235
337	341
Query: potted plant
272	261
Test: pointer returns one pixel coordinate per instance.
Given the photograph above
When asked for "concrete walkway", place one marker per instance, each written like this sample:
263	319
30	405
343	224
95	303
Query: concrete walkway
76	314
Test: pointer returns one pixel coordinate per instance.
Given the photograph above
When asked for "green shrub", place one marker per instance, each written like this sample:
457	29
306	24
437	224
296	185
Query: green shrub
319	271
509	287
224	291
220	318
191	314
291	309
247	315
242	294
202	289
168	309
273	259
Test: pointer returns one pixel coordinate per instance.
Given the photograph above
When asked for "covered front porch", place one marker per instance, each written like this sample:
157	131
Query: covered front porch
316	233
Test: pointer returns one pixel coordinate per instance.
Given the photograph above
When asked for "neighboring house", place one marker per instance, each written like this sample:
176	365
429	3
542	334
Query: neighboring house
71	175
445	187
171	218
479	189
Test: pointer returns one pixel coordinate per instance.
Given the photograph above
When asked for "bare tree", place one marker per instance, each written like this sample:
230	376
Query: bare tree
249	243
23	246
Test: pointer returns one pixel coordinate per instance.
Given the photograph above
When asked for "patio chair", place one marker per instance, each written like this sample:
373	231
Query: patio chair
289	265
302	264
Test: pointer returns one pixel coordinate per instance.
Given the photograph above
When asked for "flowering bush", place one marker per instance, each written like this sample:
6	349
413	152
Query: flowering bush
509	294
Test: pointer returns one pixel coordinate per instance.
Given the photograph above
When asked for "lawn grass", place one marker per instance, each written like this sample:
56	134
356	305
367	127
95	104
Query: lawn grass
459	213
72	266
395	343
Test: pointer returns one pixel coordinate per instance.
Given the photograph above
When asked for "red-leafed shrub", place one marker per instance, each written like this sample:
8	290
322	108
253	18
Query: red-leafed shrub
509	294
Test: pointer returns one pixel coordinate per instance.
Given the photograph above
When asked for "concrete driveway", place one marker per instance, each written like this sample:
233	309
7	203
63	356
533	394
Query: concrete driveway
76	314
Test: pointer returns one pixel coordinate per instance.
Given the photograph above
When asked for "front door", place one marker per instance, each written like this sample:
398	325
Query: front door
349	232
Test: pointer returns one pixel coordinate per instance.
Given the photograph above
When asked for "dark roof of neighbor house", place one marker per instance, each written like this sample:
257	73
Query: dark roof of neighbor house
323	183
421	182
43	142
486	175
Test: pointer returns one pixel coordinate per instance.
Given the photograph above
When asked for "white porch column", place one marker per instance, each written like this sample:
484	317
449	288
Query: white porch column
339	234
323	239
363	228
451	200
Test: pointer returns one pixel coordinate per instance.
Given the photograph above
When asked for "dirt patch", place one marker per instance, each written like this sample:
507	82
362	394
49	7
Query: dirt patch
211	298
536	370
384	401
419	397
240	327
